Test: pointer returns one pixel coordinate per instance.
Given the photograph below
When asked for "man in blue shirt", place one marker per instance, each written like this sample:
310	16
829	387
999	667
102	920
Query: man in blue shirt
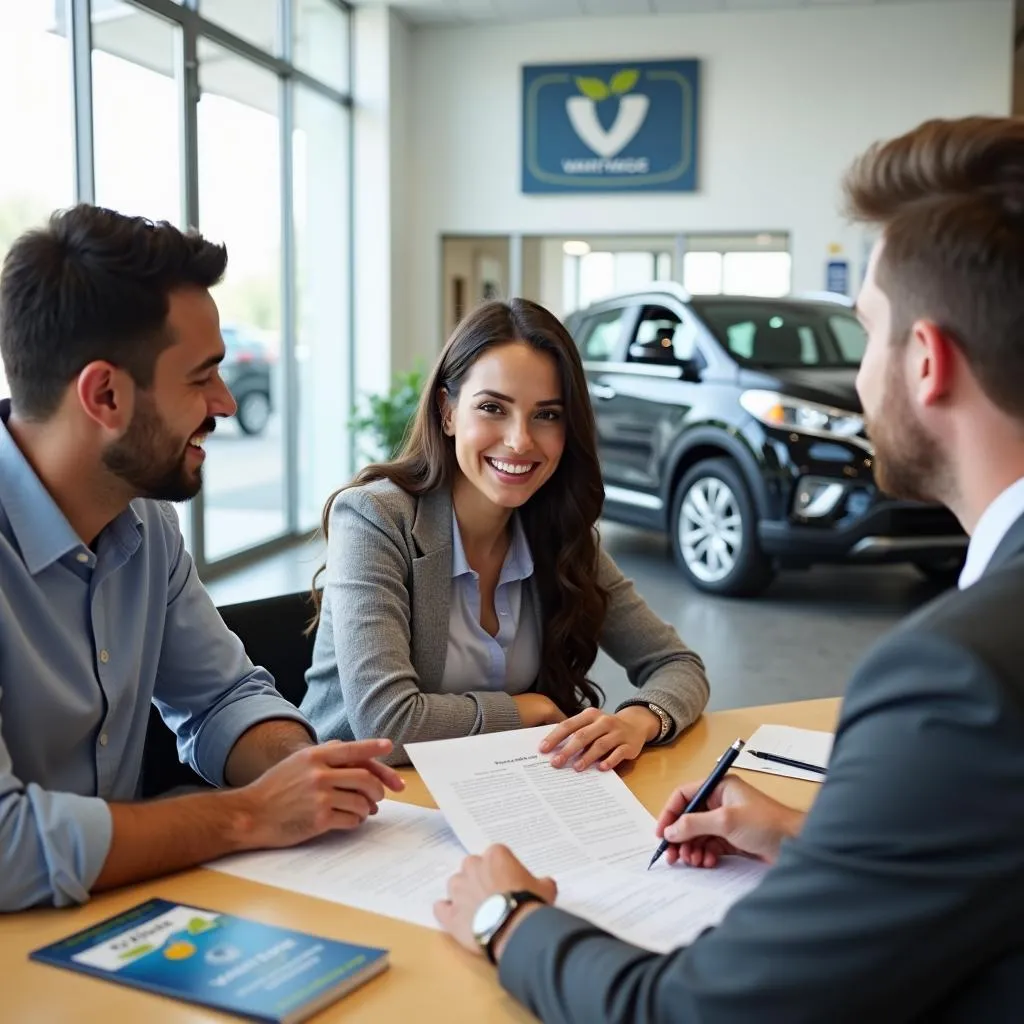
111	344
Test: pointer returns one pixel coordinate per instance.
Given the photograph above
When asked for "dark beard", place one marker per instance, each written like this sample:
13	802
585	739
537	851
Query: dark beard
907	463
151	460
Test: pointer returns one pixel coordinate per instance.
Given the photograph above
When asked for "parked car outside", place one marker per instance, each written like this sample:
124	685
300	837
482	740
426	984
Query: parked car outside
732	423
246	370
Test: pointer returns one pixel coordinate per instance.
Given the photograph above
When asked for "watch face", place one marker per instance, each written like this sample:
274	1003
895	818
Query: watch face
489	915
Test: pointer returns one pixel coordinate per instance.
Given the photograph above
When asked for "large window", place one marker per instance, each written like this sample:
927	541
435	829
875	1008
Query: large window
135	111
320	190
239	203
231	116
37	163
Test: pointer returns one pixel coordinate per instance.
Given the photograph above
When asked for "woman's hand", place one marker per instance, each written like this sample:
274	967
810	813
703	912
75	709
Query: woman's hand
595	735
536	709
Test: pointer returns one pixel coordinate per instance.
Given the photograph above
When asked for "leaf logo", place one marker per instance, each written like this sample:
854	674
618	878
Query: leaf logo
582	111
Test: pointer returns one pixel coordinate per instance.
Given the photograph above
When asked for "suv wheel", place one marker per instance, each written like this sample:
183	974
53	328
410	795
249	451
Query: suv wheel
253	412
714	531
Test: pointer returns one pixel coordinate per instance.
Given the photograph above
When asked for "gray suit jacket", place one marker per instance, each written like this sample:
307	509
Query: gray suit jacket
903	897
382	641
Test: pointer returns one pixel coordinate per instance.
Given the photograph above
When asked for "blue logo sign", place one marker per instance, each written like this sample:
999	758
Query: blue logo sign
837	277
627	127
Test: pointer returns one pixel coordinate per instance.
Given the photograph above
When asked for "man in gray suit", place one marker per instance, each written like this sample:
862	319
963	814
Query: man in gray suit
900	896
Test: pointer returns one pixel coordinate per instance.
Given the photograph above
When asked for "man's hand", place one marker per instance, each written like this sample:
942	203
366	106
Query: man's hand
497	871
536	709
739	820
333	786
595	735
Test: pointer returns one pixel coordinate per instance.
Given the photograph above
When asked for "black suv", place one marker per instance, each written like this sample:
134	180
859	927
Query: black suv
246	372
732	423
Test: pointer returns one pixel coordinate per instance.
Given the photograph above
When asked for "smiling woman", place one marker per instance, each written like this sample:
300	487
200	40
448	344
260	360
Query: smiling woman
466	590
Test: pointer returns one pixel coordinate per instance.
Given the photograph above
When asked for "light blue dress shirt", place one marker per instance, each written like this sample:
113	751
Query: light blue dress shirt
88	638
476	660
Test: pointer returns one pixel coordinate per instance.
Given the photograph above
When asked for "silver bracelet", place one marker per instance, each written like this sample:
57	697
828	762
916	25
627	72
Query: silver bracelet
664	718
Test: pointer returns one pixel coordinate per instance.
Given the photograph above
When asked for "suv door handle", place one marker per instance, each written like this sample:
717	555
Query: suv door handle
602	391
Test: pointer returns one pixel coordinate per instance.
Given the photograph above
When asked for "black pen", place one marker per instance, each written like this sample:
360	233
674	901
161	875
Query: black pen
779	759
722	765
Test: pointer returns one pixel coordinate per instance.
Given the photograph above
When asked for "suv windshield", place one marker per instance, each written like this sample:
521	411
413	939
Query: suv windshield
764	334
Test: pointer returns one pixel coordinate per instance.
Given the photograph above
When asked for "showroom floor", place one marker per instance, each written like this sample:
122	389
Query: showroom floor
799	640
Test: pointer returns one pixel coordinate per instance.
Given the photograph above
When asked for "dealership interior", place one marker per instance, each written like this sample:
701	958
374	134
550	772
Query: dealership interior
584	374
372	171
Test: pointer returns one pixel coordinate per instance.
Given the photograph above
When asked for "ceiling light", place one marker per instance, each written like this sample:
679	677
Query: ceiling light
576	248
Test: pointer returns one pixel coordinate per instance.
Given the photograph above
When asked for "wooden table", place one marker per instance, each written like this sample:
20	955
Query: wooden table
430	978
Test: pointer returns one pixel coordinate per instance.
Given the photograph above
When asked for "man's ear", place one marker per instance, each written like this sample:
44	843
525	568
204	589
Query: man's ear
106	395
932	359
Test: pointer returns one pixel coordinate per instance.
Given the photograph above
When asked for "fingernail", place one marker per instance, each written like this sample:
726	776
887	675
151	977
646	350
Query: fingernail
545	747
557	762
670	833
579	766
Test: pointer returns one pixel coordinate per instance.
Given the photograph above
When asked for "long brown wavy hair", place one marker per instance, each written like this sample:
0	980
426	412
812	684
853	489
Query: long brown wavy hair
559	520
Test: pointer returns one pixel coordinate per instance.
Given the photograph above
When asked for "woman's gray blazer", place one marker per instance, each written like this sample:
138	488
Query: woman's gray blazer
379	655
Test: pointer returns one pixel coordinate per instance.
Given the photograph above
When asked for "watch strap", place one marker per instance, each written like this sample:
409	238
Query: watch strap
515	901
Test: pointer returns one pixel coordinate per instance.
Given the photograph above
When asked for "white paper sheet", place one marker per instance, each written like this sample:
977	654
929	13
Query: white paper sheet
497	788
806	745
398	863
660	910
586	829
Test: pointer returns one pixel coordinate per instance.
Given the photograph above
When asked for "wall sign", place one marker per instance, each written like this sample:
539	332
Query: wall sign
837	276
624	127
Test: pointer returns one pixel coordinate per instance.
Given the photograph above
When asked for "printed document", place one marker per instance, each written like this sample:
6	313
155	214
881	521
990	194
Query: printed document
397	864
807	745
585	829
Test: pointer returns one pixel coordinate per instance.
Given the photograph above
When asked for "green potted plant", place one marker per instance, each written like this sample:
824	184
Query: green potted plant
382	420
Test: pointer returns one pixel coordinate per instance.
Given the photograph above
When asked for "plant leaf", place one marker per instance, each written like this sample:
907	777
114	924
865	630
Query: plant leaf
623	81
593	88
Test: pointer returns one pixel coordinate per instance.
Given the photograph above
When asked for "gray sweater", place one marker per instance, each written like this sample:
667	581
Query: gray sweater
378	659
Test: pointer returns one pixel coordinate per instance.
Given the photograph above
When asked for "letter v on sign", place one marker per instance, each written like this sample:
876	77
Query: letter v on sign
607	143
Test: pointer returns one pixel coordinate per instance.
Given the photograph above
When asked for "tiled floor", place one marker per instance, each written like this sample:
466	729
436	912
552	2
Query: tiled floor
799	640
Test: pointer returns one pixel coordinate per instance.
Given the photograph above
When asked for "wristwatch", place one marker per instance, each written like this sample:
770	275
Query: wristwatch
665	719
493	914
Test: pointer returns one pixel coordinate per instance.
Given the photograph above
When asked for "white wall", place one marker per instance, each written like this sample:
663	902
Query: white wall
789	98
382	140
403	324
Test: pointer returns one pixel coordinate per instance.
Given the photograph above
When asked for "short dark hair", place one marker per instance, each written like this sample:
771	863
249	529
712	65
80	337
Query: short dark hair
92	284
949	196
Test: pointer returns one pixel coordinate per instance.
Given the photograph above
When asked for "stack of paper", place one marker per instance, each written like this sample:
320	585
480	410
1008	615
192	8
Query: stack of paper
397	864
585	829
807	745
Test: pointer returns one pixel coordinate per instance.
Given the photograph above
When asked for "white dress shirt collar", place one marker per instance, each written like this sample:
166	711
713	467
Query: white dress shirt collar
992	527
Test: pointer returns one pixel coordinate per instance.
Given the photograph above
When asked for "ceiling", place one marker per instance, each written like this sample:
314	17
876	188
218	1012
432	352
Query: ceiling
456	12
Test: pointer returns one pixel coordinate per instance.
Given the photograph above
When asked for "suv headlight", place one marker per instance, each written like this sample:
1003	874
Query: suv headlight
787	413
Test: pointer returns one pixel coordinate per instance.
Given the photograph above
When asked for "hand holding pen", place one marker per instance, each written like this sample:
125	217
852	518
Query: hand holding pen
738	820
697	800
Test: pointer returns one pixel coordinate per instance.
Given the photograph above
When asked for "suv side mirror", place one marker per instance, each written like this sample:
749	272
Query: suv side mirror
690	369
652	352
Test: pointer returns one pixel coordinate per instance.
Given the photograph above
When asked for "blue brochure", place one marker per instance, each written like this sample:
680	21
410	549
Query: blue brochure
228	963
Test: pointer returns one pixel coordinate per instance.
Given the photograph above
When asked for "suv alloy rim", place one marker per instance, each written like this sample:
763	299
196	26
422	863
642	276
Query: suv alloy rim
254	411
710	529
